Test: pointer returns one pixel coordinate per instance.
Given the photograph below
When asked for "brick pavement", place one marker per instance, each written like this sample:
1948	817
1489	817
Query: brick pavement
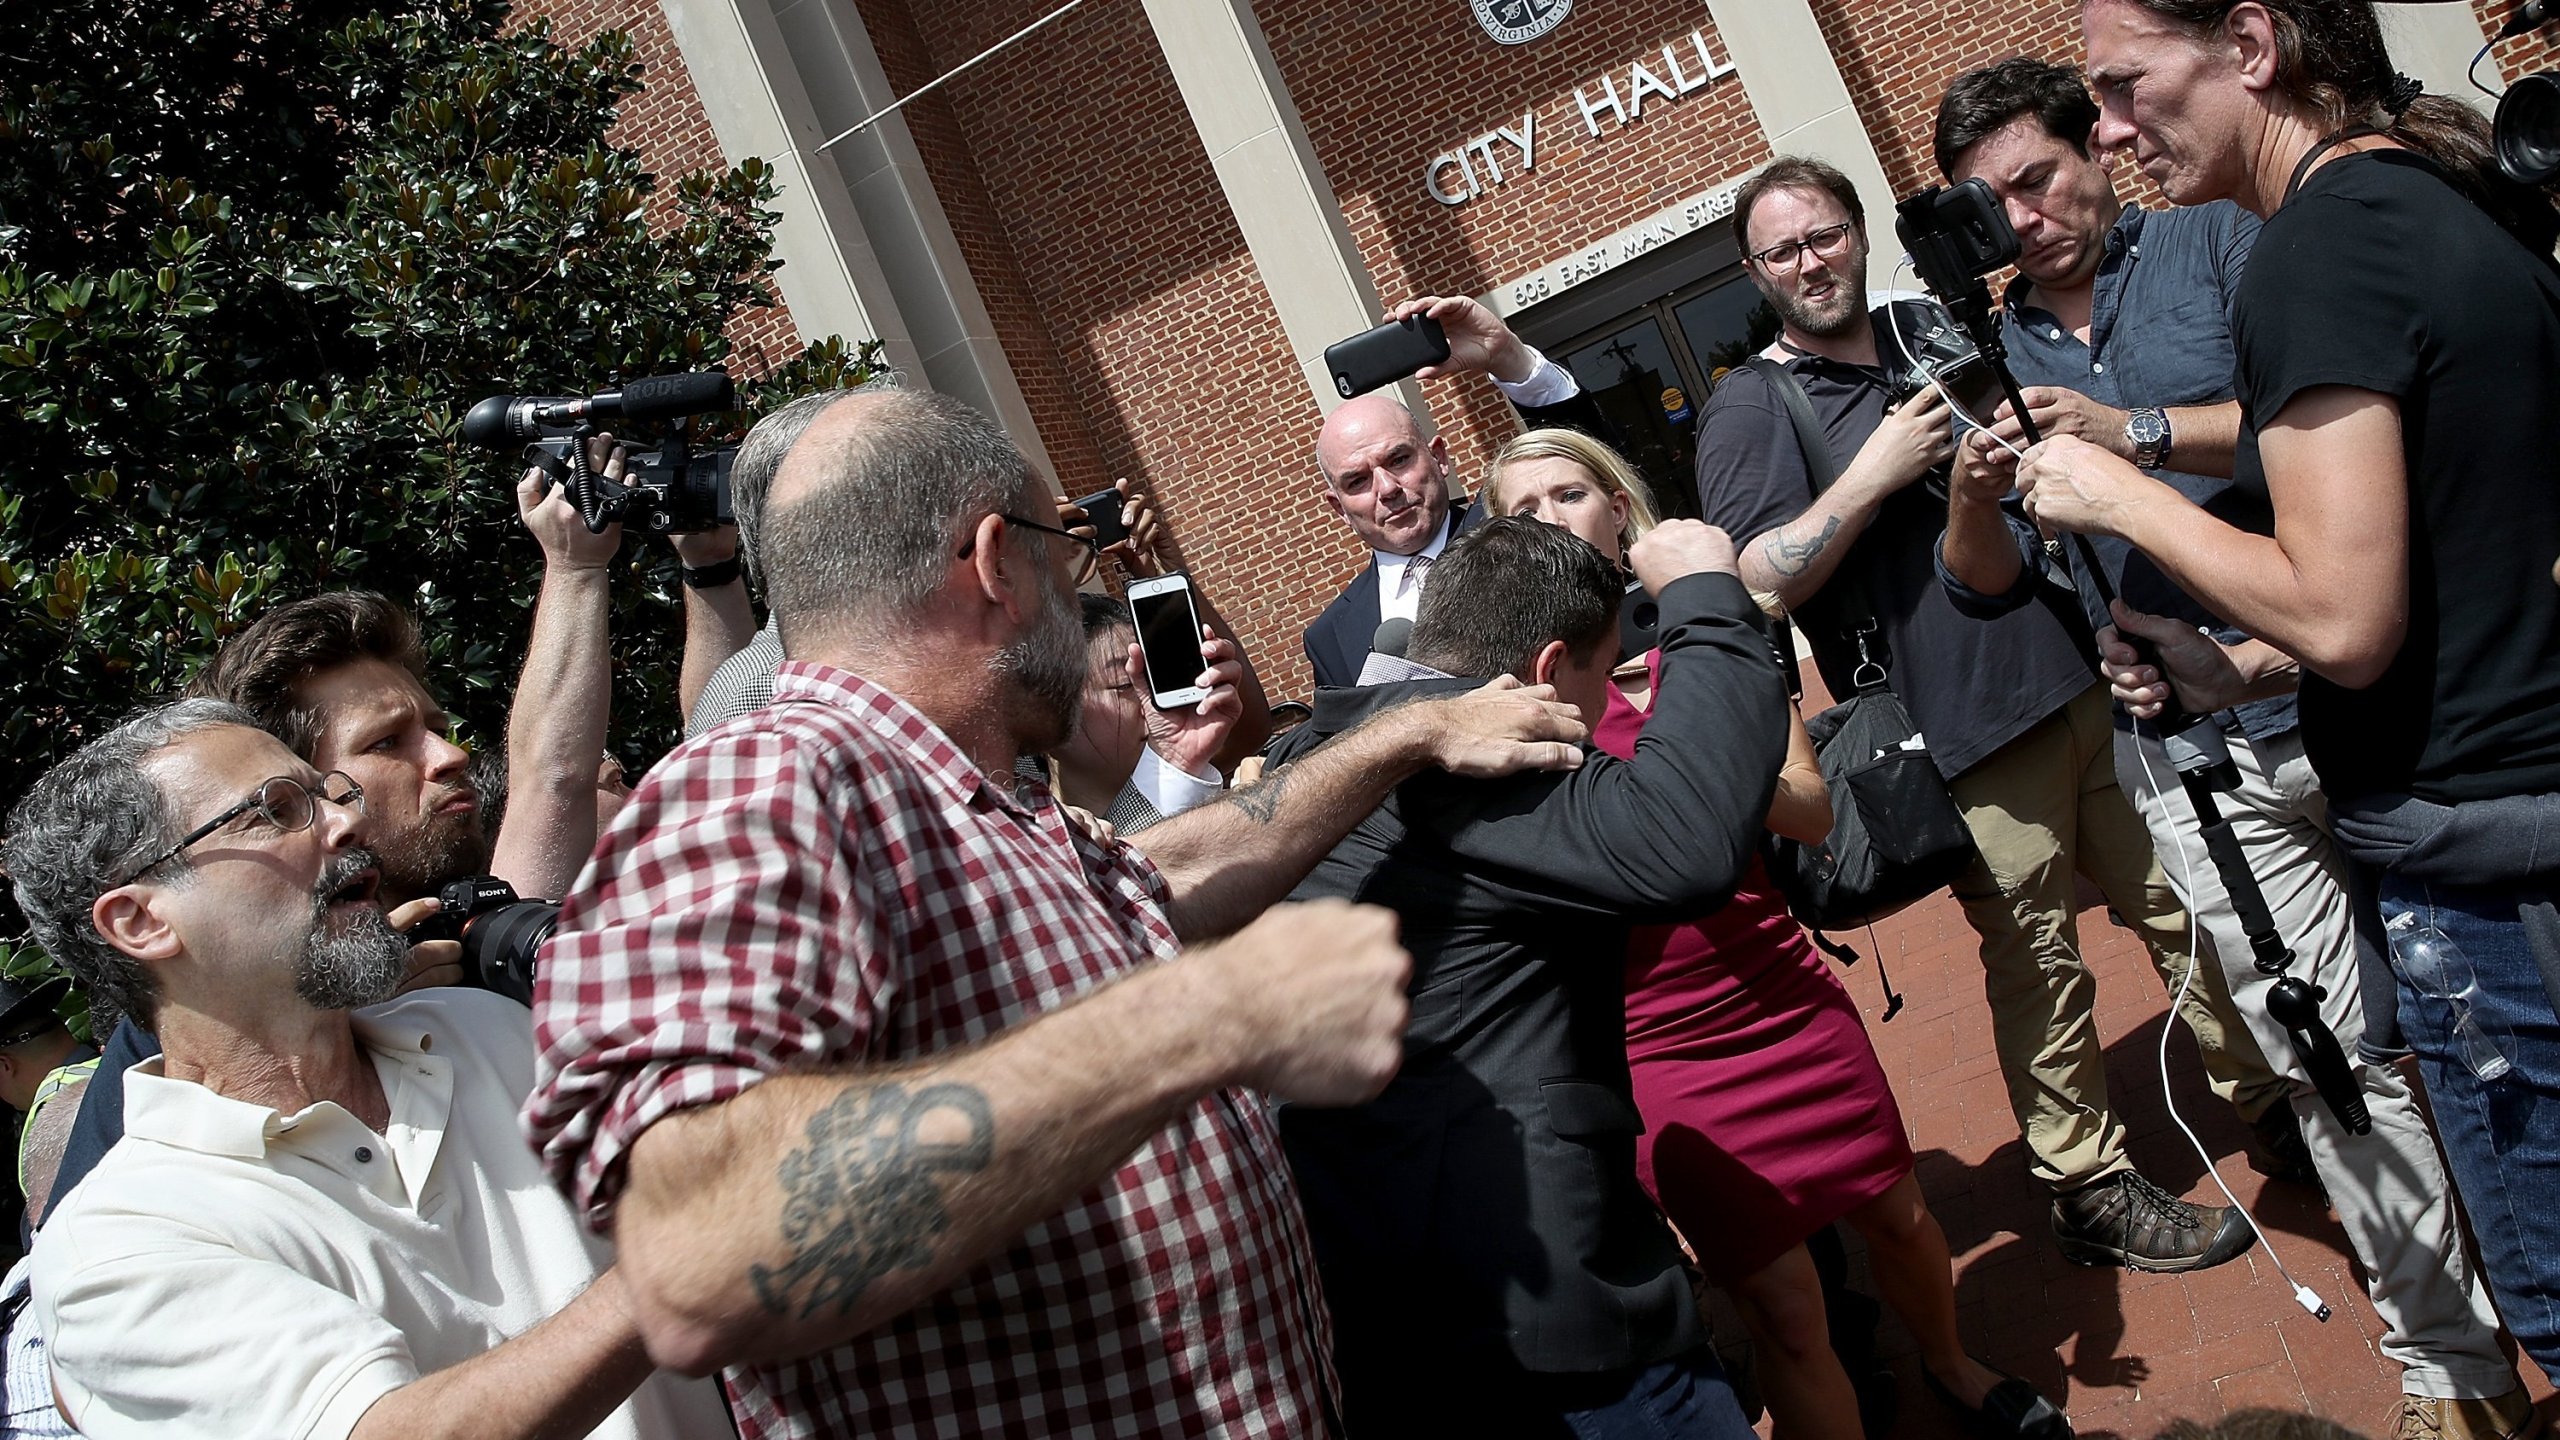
2130	1352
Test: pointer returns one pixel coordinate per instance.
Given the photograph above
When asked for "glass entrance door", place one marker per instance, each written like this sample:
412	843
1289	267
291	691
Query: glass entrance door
1651	369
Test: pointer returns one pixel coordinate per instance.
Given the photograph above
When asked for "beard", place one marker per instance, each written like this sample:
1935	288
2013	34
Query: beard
1843	312
1046	668
358	963
430	854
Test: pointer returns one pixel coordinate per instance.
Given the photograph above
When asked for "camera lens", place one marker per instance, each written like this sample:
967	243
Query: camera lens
2528	130
499	947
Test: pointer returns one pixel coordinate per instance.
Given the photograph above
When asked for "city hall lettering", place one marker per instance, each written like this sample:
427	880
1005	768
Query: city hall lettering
1457	176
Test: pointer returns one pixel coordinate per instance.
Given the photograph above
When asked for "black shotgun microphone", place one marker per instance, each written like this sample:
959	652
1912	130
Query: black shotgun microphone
2529	15
502	421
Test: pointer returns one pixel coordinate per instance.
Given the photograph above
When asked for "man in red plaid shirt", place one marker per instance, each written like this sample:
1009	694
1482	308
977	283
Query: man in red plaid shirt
863	1052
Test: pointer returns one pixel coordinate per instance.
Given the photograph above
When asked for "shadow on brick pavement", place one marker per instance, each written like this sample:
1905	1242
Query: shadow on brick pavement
2126	1353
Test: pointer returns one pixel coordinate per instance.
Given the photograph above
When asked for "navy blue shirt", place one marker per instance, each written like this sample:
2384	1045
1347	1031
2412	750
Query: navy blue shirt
2159	336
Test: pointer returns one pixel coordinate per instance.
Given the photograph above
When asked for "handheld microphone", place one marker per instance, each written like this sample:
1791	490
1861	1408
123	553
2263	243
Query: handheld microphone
1393	636
2530	14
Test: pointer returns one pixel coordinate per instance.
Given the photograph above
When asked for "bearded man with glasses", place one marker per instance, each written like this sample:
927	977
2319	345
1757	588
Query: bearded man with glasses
2011	708
322	1219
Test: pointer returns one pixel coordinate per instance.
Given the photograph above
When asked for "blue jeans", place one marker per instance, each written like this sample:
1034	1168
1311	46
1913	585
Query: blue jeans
2501	1137
1683	1399
1410	1394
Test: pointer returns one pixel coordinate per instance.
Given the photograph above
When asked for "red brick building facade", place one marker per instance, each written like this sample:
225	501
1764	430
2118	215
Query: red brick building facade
1066	235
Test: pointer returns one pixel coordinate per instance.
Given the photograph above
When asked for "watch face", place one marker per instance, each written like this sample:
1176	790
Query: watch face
2147	427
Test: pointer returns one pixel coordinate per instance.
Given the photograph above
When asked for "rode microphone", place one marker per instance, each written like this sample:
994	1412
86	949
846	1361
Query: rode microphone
504	420
2530	14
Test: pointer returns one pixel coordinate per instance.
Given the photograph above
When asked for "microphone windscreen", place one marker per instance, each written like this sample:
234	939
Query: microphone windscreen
663	397
1393	636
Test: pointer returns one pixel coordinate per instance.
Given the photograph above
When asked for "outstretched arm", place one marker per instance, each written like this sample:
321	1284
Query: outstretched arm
562	1377
1226	862
556	727
814	1207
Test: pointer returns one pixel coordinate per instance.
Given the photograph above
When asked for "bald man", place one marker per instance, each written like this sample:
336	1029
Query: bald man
1391	485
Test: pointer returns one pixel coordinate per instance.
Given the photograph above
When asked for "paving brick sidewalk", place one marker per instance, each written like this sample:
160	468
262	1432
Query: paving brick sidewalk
2131	1352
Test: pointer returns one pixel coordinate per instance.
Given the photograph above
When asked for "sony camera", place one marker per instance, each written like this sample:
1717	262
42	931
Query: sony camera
500	933
674	488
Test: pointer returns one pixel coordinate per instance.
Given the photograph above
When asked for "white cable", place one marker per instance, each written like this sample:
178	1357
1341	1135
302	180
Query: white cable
2303	1295
892	108
1893	318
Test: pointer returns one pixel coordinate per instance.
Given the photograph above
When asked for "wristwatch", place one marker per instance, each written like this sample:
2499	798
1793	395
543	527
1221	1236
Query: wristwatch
2147	431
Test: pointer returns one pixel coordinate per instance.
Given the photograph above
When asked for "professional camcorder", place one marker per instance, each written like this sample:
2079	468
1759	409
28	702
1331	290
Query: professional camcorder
674	488
2528	123
499	933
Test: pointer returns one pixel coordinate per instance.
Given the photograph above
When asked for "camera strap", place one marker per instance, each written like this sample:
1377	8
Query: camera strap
1849	593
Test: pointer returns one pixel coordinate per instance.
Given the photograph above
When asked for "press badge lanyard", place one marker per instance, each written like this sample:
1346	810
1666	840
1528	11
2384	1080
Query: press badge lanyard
2311	157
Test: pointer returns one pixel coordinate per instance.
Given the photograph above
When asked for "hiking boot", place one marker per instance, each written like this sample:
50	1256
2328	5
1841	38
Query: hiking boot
2505	1417
2126	1220
2283	1154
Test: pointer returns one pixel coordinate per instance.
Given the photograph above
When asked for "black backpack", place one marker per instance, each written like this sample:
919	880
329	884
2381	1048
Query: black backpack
1896	834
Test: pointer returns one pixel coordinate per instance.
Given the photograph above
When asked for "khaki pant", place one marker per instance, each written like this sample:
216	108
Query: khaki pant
2389	1188
2043	809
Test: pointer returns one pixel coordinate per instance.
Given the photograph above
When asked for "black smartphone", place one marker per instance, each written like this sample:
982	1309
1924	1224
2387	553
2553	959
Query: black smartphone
1102	512
1385	355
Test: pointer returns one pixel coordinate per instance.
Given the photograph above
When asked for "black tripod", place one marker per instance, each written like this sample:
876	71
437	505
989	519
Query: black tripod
2194	744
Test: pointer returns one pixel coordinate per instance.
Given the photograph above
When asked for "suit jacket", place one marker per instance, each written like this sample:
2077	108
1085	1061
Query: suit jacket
1486	1205
1338	642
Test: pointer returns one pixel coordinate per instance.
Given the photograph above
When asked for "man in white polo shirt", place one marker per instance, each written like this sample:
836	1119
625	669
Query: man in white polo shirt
322	1220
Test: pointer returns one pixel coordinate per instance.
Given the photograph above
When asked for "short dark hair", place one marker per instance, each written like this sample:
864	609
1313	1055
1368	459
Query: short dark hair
1982	102
1501	591
262	669
2259	1425
1793	172
1102	612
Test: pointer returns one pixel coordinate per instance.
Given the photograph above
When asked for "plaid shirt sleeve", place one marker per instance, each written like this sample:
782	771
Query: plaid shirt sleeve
699	953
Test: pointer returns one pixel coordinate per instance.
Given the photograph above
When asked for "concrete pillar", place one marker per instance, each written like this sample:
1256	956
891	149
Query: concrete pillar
1282	201
1801	101
2434	44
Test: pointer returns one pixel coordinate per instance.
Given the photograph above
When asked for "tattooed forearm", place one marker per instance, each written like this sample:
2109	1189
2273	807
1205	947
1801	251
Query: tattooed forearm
1261	800
1791	557
863	1197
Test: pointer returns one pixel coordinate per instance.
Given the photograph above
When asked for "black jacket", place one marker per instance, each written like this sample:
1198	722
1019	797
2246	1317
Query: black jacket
1337	644
1488	1201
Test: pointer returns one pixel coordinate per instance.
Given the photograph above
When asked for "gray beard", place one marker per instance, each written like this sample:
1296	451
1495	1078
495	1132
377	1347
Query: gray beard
1046	666
359	964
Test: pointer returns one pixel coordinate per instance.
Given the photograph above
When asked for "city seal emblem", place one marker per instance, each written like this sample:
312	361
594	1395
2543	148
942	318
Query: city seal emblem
1517	22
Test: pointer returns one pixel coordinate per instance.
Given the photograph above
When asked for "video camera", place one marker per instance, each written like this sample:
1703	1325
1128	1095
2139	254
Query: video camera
500	933
2527	129
672	489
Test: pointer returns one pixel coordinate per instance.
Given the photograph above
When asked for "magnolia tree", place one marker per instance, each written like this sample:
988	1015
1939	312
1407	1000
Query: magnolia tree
256	260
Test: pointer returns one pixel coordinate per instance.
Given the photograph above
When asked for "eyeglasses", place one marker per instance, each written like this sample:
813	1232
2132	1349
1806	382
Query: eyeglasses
1092	549
286	803
1827	242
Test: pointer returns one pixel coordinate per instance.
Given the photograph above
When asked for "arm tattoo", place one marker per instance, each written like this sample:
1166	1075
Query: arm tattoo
860	1198
1261	801
1791	557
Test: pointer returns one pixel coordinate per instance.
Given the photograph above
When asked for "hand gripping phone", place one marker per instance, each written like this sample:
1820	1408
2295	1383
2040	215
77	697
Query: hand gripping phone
1385	355
1102	511
1168	626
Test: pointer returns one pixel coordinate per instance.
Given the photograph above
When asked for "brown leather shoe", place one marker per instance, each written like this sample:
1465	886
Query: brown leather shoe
2503	1417
2126	1220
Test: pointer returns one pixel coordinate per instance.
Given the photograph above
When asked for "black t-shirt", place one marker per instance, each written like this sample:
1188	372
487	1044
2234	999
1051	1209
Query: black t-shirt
2380	276
1971	685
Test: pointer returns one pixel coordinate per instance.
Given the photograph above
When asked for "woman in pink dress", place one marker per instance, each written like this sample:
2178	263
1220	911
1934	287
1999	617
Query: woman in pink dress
1767	1115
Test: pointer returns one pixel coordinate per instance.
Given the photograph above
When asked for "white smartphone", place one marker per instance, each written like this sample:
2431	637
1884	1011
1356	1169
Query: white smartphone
1168	627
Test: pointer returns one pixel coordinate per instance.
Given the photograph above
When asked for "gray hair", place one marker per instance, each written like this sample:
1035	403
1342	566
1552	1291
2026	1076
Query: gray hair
870	540
760	457
83	828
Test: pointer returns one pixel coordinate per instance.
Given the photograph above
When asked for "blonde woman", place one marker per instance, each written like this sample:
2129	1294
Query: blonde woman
1767	1115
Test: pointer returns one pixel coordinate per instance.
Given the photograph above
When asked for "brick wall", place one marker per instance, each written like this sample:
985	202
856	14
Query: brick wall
665	124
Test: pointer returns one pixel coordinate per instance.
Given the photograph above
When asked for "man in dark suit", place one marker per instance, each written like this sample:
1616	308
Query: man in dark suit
1391	485
1494	1266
